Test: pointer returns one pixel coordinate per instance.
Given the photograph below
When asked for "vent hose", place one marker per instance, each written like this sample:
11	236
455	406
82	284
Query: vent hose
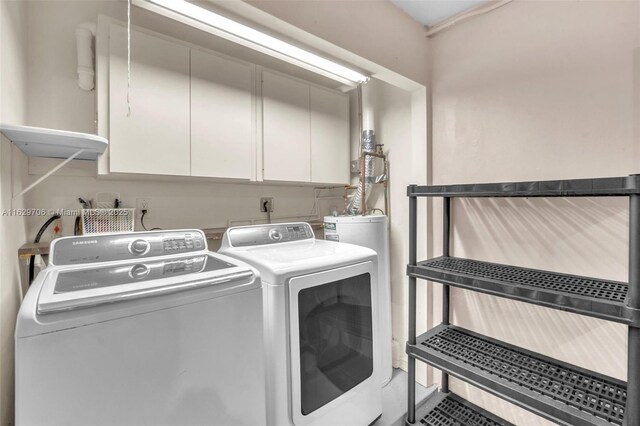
368	145
32	259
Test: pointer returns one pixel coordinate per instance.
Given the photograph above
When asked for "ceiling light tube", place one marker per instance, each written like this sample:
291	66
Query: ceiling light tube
221	26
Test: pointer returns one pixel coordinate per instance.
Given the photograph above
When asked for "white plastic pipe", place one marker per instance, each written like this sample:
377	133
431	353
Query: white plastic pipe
85	34
369	103
367	144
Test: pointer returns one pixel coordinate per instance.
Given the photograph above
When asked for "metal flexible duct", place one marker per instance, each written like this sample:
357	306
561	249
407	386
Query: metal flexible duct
368	145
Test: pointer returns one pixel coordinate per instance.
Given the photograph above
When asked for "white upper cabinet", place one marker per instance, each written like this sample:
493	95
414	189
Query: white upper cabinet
305	132
155	137
330	149
286	129
222	119
199	113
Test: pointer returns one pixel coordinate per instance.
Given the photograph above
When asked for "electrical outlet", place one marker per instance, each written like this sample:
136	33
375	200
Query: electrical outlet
142	204
55	229
266	204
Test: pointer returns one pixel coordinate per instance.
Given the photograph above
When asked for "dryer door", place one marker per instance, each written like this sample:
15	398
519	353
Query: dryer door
332	320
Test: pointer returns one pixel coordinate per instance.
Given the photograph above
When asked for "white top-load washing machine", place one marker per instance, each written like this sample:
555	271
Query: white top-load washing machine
320	317
140	328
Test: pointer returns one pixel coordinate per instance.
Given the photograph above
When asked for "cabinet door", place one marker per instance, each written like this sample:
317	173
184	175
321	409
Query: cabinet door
155	137
286	129
329	137
221	117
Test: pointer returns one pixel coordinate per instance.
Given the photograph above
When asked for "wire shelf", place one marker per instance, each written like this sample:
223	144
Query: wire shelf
451	410
584	295
562	391
596	187
100	221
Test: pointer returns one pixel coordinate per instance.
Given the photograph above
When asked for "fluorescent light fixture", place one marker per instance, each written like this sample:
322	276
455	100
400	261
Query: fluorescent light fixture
221	26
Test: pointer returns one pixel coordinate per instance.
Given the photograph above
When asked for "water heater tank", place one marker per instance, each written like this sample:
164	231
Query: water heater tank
371	232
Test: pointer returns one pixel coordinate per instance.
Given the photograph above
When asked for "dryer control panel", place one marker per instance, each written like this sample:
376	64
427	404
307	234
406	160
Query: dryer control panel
114	247
268	234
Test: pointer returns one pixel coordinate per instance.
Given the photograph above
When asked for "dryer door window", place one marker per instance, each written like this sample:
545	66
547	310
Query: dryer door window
332	337
335	332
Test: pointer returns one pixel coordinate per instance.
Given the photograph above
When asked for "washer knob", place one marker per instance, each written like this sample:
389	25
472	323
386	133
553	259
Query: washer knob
139	271
139	247
275	235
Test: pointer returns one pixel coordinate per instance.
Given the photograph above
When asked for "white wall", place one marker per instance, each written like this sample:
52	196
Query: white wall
398	131
532	91
13	63
396	117
179	203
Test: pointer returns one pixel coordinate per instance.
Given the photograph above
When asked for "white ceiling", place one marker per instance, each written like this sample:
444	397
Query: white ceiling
430	12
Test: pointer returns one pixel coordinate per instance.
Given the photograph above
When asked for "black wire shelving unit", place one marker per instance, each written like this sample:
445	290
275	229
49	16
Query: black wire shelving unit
563	393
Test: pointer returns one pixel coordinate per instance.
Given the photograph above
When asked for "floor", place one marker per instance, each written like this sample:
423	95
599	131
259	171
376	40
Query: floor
394	399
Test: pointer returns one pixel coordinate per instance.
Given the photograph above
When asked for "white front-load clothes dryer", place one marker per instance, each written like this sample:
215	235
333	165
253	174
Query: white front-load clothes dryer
141	329
371	231
320	319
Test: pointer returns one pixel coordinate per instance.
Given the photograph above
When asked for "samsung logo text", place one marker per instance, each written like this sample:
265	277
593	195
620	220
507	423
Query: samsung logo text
75	243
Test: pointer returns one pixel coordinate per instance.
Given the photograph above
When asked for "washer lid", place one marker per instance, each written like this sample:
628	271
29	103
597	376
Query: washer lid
80	287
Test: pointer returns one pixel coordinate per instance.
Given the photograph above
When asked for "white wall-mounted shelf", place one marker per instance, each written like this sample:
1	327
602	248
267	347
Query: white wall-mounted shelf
51	143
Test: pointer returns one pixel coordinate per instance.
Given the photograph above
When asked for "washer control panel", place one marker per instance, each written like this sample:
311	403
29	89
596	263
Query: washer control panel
135	245
269	234
113	275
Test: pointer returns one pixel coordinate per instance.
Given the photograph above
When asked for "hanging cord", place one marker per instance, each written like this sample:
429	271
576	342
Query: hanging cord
32	259
128	57
77	229
144	212
76	226
360	118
